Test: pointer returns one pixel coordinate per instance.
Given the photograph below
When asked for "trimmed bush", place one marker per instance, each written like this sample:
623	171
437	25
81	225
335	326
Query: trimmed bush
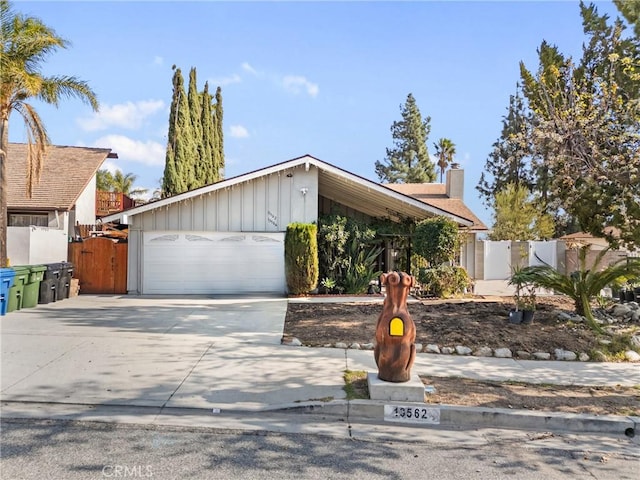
301	257
444	281
437	239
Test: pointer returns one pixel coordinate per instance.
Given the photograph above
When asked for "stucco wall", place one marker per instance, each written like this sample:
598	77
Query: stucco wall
36	245
85	209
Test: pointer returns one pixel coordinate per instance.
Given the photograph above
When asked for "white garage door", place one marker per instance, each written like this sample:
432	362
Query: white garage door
217	263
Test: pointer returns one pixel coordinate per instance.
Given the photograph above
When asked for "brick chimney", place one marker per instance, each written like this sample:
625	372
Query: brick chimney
455	181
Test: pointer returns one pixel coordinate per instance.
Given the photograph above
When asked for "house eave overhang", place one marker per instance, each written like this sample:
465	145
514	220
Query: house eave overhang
334	183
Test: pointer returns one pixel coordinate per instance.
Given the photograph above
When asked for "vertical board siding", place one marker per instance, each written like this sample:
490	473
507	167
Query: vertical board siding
264	204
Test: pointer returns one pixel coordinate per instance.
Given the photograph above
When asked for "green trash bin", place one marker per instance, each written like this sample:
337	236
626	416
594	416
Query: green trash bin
32	288
16	293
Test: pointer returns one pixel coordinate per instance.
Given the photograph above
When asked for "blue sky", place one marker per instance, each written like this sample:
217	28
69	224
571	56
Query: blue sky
319	78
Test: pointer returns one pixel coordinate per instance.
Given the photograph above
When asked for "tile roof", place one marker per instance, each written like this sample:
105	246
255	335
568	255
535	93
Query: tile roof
435	194
65	174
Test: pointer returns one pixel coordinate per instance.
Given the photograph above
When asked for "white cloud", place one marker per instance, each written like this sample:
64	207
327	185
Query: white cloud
235	78
148	153
127	115
158	60
296	84
109	165
238	131
249	69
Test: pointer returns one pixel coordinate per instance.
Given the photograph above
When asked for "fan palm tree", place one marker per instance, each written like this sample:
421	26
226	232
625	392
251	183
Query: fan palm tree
445	150
585	283
25	43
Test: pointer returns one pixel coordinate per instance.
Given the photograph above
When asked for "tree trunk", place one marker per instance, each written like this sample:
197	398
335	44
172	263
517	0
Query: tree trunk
4	147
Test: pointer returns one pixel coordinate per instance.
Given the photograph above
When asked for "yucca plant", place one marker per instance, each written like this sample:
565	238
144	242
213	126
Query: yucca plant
585	283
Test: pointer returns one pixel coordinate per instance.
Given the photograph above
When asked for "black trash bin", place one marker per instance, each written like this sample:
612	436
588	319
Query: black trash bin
64	282
49	283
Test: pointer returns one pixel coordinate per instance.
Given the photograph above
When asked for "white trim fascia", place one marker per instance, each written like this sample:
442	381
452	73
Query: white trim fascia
304	160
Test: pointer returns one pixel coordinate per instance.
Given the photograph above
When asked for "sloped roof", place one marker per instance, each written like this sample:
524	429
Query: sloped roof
65	174
435	194
334	183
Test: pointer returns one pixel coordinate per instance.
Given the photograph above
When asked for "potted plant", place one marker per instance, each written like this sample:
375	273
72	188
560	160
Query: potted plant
524	296
528	303
518	280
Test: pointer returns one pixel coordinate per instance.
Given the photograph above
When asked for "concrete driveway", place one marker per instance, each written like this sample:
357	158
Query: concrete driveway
193	352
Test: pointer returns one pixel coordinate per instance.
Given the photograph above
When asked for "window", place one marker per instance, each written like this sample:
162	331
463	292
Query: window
26	220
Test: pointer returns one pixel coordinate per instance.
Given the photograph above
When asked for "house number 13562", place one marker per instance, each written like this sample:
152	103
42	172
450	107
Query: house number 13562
411	414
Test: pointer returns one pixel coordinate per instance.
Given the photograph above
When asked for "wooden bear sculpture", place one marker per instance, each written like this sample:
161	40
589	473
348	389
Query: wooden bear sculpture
395	348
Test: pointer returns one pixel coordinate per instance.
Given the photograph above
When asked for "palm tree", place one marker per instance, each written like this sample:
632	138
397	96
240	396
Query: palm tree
25	43
123	183
104	180
585	283
445	150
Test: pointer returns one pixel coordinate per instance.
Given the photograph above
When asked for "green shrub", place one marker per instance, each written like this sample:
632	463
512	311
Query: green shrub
437	239
301	257
444	281
347	253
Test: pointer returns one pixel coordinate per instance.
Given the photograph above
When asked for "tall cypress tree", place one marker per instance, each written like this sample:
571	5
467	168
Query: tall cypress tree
408	161
195	153
173	181
199	173
219	139
208	133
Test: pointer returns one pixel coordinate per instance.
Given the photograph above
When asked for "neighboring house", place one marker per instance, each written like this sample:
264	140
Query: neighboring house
228	237
39	228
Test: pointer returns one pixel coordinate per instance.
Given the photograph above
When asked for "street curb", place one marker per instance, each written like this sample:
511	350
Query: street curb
372	411
458	416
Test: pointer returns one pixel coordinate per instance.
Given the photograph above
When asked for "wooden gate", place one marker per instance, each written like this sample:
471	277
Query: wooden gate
100	265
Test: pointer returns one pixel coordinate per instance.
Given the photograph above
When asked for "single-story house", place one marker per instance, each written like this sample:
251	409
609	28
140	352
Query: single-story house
228	237
39	227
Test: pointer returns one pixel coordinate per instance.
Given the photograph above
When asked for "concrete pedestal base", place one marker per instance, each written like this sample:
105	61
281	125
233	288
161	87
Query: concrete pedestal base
411	391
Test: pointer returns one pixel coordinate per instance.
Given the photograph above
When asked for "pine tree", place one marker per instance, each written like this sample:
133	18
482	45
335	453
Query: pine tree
219	138
181	151
408	161
510	160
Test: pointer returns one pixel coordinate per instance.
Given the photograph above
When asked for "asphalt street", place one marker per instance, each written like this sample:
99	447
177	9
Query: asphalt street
36	449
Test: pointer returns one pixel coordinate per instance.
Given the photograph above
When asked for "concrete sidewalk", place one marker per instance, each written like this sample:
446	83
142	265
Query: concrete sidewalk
224	354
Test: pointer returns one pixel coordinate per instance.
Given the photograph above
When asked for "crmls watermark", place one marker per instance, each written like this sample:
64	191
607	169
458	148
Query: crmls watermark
127	471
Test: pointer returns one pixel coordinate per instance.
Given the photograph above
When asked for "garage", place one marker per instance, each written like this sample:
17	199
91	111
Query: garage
178	262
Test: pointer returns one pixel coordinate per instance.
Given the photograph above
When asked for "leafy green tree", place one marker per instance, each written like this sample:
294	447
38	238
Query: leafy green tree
26	42
104	180
630	10
445	150
587	119
181	150
584	284
510	159
437	239
408	161
516	216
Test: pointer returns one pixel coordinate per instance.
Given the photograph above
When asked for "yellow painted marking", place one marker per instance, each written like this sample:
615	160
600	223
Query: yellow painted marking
396	327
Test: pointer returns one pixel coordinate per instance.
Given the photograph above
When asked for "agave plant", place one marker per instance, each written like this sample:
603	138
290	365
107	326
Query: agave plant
585	283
